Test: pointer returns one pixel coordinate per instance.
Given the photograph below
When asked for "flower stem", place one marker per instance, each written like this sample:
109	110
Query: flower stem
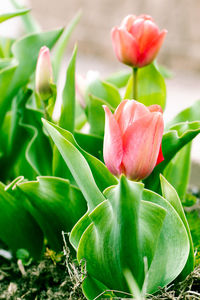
135	83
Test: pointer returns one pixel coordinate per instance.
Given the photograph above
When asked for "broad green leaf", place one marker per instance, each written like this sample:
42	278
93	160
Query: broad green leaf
151	87
56	205
173	141
38	152
33	155
90	143
96	115
189	114
104	91
119	79
170	194
6	62
177	172
9	15
6	76
17	111
30	24
62	43
18	229
67	117
154	231
77	165
102	176
26	52
172	249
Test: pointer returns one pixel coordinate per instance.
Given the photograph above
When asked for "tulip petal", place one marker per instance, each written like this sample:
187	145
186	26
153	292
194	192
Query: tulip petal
128	112
150	33
154	108
125	46
160	157
128	22
141	145
149	55
112	148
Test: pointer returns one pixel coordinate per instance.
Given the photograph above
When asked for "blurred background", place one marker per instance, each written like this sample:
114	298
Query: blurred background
180	51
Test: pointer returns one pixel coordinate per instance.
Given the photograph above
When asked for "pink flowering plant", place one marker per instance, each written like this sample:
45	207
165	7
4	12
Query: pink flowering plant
118	188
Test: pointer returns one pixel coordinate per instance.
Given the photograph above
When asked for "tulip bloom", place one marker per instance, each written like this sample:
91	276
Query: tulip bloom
132	140
137	41
44	74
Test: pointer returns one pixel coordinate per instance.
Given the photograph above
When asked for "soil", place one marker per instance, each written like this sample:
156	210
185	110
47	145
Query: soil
45	280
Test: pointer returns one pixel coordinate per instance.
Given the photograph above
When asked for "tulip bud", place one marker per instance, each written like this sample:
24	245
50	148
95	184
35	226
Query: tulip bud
44	74
132	140
137	41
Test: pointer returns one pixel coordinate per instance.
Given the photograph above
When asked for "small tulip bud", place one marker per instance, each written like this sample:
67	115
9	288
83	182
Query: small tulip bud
132	140
44	74
137	41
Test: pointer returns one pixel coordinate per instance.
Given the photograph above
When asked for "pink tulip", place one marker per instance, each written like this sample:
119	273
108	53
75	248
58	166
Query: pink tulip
44	74
137	41
132	140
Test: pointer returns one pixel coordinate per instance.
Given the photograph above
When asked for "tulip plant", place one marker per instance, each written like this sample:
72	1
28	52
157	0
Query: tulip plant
116	189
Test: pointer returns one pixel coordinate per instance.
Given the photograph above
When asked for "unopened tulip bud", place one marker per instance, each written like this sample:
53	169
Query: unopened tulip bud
44	74
137	41
132	140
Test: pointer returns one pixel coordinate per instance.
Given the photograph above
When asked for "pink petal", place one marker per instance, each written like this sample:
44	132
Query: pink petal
141	145
149	55
154	108
125	46
128	21
128	112
137	28
150	33
112	148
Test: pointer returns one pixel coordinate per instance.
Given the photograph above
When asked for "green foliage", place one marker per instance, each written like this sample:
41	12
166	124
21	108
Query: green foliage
109	248
151	87
55	204
173	140
18	229
62	43
19	12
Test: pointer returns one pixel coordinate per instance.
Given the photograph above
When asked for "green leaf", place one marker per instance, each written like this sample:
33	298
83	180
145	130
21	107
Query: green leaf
173	140
9	15
67	117
91	174
102	176
24	49
91	143
62	43
77	165
96	115
6	76
119	79
155	231
30	24
177	172
38	152
170	194
151	87
18	229
56	205
172	249
189	114
104	91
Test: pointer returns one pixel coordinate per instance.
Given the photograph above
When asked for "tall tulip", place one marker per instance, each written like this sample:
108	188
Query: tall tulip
137	41
132	141
44	74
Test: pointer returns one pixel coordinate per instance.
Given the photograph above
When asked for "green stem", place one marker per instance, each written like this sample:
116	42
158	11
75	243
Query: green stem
135	83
